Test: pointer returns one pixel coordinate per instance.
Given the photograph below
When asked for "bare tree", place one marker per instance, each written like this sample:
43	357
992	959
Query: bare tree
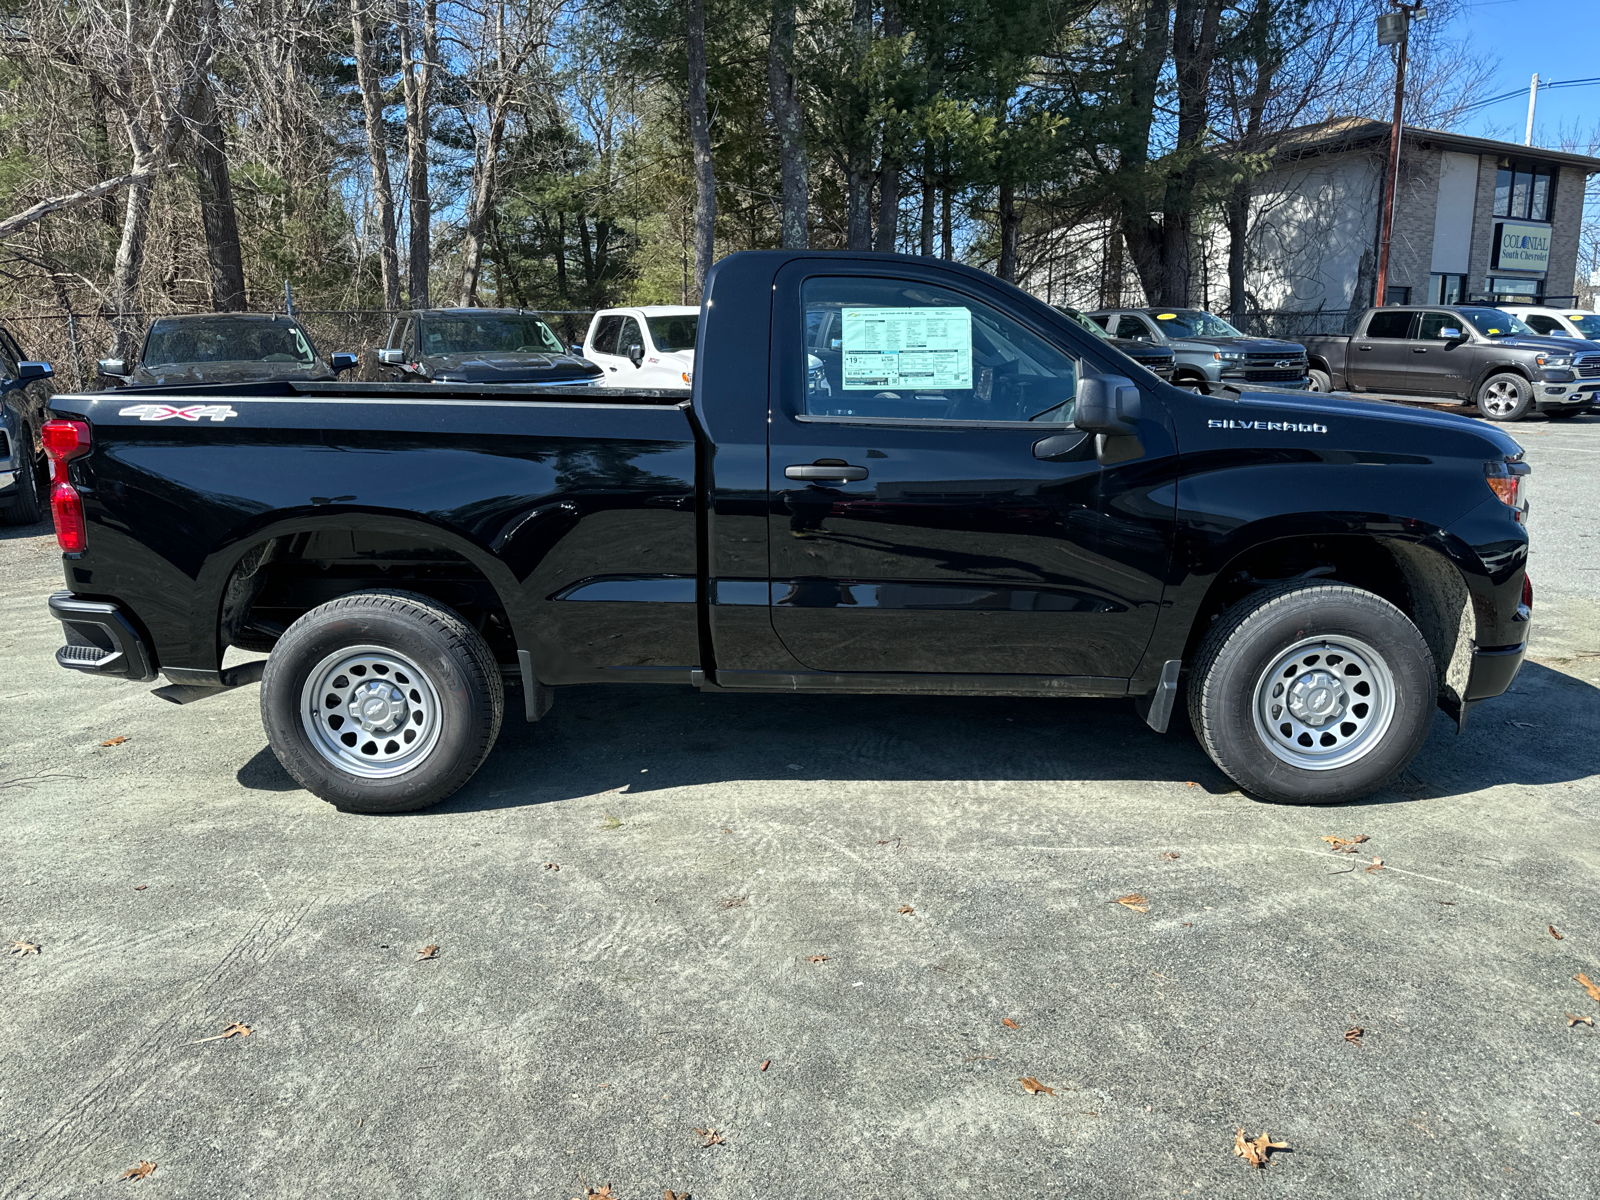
377	151
705	177
419	53
784	100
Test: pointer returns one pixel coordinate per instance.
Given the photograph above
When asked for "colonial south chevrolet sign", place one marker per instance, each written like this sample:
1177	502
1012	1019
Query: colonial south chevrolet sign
1522	247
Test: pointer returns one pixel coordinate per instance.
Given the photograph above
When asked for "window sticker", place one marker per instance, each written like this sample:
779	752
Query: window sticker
906	348
1166	316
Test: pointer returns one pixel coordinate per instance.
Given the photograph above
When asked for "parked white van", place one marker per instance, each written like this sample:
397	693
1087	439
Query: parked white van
651	346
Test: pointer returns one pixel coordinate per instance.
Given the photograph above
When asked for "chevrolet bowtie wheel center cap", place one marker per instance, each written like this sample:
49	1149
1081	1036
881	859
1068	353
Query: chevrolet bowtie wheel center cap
378	705
1317	697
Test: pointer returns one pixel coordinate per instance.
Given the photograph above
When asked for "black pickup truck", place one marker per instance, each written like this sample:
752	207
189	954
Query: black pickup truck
972	497
1470	354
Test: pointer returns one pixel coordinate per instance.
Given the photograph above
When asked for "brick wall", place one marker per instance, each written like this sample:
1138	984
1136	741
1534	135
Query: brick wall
1568	224
1416	204
1482	224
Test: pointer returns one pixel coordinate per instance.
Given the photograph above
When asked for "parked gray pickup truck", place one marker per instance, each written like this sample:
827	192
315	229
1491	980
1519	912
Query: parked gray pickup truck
1469	354
1208	350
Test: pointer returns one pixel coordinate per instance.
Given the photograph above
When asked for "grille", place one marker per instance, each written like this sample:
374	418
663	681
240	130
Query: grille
1589	366
1274	376
5	445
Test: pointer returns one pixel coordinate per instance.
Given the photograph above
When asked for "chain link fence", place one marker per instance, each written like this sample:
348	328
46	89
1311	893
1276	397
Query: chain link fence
72	343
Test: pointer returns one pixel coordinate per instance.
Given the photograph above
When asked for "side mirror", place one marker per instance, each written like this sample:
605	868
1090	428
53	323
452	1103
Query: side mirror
575	350
636	355
112	368
1107	404
342	362
34	370
1450	333
393	357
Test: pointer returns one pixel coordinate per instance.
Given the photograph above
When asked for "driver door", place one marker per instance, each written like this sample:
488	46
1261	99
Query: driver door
931	507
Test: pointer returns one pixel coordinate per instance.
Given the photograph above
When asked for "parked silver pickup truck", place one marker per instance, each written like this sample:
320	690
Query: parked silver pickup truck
1467	354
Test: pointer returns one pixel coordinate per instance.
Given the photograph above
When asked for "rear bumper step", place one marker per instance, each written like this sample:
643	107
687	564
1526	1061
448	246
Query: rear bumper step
101	640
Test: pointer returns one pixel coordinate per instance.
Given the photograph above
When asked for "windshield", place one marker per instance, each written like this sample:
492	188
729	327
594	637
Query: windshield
674	333
1491	322
226	340
1191	322
1588	324
1077	317
487	334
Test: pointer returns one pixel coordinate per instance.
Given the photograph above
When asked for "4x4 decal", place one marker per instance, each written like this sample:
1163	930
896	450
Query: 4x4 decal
192	412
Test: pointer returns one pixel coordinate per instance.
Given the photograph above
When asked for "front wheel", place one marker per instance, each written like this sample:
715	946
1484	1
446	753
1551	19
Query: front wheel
1505	397
1312	694
381	701
1318	381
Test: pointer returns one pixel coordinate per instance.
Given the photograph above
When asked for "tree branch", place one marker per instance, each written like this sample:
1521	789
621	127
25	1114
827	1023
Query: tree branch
56	203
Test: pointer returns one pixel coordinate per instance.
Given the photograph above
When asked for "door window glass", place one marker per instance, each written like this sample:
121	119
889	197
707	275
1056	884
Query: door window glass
605	337
1434	324
408	341
1546	325
629	337
907	350
1133	327
1384	324
396	332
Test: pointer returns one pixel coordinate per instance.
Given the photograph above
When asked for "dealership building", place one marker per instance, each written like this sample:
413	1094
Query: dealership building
1475	220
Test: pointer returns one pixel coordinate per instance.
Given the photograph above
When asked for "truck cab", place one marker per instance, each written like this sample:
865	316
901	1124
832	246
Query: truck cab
651	347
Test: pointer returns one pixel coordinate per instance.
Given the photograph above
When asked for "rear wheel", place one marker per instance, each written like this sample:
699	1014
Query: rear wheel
1318	381
1505	397
381	701
1312	694
30	506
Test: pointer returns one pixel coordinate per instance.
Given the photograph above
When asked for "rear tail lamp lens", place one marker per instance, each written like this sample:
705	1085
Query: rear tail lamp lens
63	442
1527	592
1509	481
66	506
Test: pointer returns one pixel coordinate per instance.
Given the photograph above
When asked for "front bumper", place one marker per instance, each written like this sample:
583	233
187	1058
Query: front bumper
1565	395
101	639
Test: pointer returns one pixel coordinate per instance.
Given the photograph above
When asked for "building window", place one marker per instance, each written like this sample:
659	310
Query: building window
1447	289
1396	295
1523	191
1514	291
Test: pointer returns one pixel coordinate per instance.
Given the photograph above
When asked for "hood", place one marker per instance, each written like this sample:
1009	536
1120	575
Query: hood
1249	345
511	367
1135	348
229	372
1533	341
1325	405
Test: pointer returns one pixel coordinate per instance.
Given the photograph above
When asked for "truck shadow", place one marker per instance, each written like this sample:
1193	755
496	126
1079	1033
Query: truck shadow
648	739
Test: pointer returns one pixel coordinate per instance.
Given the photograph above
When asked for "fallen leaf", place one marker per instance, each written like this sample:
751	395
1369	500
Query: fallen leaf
1554	934
734	901
1255	1151
610	821
1588	984
669	1194
1033	1087
712	1138
604	1191
1345	845
1574	1019
139	887
1376	865
907	911
765	1063
1353	1036
1191	783
1170	855
117	741
1134	901
20	947
143	1171
1010	1024
818	958
237	1029
427	952
552	866
724	830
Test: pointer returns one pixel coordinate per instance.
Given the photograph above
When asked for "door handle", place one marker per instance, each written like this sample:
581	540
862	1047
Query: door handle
1419	349
1363	349
825	470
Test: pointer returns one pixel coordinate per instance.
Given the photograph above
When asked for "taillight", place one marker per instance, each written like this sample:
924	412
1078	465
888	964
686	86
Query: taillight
1509	481
1527	592
63	442
66	506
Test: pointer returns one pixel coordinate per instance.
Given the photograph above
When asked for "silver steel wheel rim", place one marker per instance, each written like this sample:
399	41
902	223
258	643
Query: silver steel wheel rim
1501	396
1324	703
370	711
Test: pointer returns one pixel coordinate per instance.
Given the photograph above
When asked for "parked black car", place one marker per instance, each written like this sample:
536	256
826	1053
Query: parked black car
24	403
226	348
479	345
1157	359
974	497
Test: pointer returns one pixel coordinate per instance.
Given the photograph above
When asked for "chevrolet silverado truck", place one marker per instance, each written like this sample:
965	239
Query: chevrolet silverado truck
1209	351
973	497
24	396
1158	360
1468	354
199	348
478	345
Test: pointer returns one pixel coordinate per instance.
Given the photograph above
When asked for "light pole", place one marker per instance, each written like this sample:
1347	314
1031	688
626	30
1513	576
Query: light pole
1394	29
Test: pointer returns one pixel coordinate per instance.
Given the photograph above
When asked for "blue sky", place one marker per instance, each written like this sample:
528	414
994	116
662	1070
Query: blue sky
1560	39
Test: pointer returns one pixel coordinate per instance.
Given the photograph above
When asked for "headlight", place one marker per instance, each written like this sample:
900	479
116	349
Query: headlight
1230	355
688	376
1553	360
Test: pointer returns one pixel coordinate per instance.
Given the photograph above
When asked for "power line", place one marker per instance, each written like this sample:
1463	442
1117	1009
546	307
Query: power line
1554	83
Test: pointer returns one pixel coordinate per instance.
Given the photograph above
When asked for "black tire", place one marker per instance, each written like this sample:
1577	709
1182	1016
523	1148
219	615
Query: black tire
1505	397
1318	381
31	505
455	709
1366	640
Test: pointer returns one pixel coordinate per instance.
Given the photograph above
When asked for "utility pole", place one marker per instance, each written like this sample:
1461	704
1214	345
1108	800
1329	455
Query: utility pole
1394	29
1533	95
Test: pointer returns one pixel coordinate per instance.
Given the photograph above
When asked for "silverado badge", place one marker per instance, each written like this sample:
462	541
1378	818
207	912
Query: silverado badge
1270	426
165	412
